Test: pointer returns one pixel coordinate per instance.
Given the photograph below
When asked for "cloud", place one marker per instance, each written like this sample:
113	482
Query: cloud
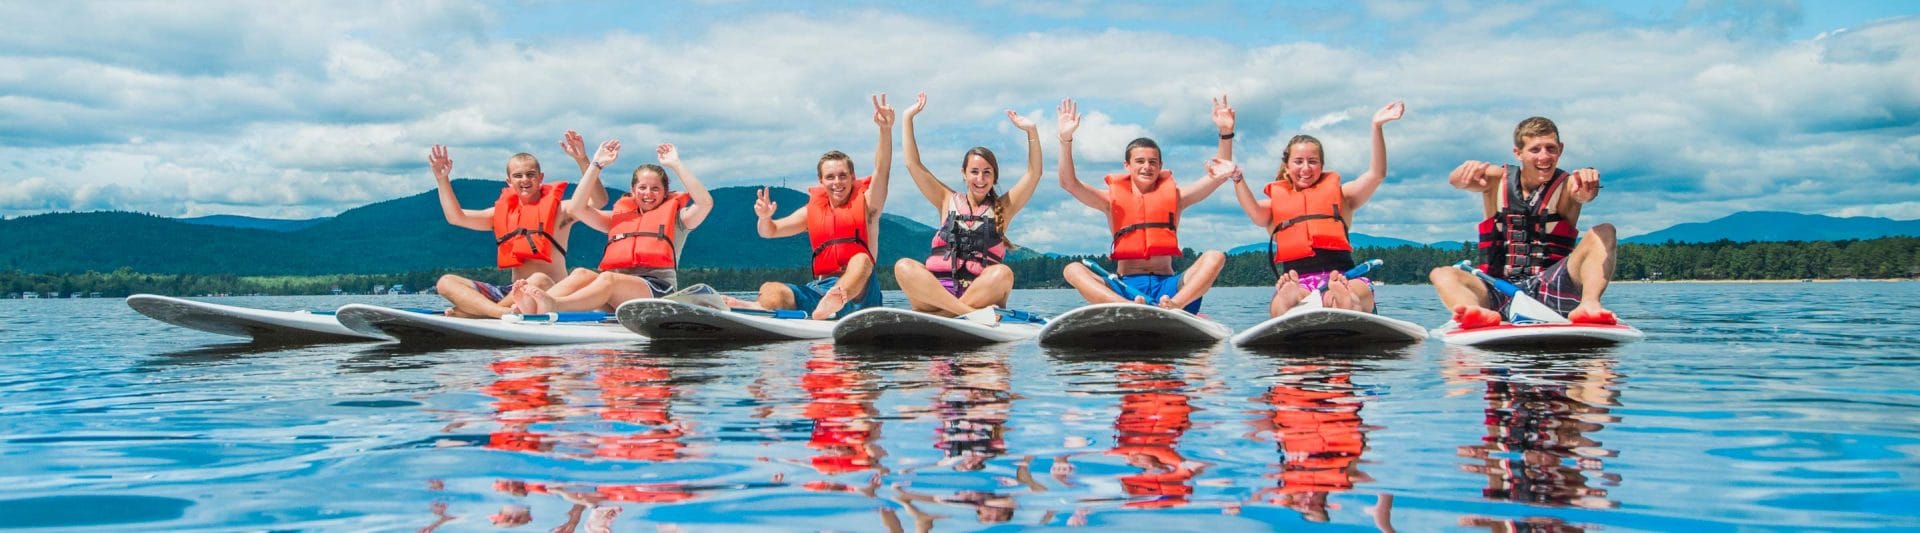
226	107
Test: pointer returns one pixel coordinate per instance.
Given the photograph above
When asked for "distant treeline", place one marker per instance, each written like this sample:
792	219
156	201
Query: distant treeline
1891	257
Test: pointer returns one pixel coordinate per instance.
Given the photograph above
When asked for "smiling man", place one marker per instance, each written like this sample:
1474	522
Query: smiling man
529	227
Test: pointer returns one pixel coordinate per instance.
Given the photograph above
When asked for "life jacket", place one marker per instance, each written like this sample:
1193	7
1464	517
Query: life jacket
960	253
643	238
837	233
1306	221
1523	238
1144	225
518	230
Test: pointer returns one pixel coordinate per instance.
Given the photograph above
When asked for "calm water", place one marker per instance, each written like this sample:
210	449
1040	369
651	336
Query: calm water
1749	406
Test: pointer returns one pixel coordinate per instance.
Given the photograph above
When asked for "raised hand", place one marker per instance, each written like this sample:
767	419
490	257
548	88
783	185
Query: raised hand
1223	168
1069	119
1472	175
608	152
441	163
1223	115
882	113
1389	113
575	146
1025	124
764	205
668	156
919	103
1586	184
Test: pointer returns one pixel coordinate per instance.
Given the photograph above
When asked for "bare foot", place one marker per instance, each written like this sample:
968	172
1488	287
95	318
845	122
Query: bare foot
539	301
830	304
1339	295
737	303
1166	302
1592	313
1473	316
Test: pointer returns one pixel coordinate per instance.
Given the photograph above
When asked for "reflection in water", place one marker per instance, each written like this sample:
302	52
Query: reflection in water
1541	412
973	405
1154	413
1315	419
840	405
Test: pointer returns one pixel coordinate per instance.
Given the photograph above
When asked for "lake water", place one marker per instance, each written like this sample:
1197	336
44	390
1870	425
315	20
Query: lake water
1757	406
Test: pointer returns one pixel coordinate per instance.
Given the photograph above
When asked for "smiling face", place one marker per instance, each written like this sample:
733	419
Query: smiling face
1304	163
649	187
1538	157
523	176
981	173
837	176
1143	164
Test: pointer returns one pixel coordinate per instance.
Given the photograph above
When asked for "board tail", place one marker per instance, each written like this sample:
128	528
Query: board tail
1521	308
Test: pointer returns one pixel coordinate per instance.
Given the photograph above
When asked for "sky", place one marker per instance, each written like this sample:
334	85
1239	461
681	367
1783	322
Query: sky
1691	110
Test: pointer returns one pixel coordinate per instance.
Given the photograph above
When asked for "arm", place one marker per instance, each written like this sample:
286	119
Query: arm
930	186
882	159
1357	192
576	148
1223	120
786	226
1023	190
1070	121
581	205
1253	206
442	165
1203	189
1476	176
693	214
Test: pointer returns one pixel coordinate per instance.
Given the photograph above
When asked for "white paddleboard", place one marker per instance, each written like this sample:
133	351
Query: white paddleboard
1130	323
1304	325
670	320
264	326
421	328
1538	335
890	325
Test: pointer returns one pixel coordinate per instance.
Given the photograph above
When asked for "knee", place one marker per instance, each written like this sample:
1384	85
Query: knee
450	280
1604	232
1445	274
861	260
905	266
1213	256
582	272
772	287
1075	269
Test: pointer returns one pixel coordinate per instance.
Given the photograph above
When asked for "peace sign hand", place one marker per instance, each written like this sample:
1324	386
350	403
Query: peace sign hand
764	205
1223	115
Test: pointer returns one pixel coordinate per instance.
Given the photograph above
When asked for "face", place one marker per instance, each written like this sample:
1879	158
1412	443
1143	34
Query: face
1303	164
524	178
1540	155
980	177
837	177
1144	164
649	190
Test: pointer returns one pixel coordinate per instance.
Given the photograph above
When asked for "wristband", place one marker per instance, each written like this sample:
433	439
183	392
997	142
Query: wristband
1228	136
599	165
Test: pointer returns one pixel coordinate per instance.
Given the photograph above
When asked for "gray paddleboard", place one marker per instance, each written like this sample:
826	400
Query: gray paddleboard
660	319
1538	335
429	329
1129	323
1322	326
885	325
260	325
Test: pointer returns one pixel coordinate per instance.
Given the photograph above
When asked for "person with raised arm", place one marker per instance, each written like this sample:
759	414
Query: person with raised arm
646	230
1307	214
1532	211
965	271
842	223
529	227
1143	207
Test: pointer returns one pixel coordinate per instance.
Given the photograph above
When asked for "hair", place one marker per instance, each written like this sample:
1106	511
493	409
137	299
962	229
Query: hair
993	193
1535	127
650	167
1287	155
1142	142
832	155
523	156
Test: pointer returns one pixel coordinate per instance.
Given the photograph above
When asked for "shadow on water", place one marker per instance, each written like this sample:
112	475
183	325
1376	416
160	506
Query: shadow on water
1135	354
215	354
1335	353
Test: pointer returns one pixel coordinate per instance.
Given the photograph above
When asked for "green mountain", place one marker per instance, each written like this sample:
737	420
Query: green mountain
400	235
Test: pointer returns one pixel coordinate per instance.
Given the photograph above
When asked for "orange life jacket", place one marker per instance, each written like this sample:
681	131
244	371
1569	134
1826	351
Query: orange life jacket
837	233
1304	220
643	238
1144	225
519	229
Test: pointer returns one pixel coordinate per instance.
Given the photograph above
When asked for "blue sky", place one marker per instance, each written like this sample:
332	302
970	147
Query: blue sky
1691	110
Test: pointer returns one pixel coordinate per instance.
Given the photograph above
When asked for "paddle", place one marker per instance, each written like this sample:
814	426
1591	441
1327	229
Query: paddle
1312	299
1017	315
565	316
1521	309
774	313
1127	290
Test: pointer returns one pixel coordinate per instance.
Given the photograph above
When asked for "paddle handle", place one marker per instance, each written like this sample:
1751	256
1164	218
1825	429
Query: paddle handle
566	316
1363	268
775	313
1498	284
1129	291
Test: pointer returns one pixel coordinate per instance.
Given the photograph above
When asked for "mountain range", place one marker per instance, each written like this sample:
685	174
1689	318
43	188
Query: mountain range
408	235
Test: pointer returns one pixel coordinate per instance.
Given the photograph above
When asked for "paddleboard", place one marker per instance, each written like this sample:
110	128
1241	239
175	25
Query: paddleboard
661	319
261	325
1507	334
886	325
420	328
1315	325
1129	323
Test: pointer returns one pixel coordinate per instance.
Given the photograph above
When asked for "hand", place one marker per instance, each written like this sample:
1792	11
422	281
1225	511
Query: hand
882	113
1069	119
1389	113
441	163
763	206
1474	174
575	146
919	103
1025	124
1223	115
668	156
608	152
1586	184
1218	168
